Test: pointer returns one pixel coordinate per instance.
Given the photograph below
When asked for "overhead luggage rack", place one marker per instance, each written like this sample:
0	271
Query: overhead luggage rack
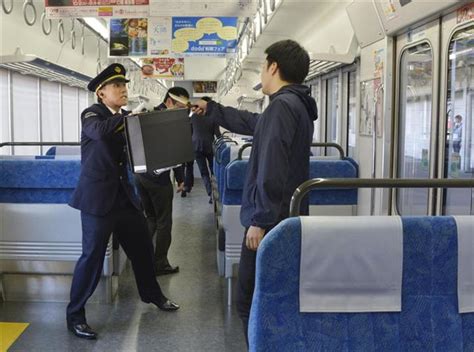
35	66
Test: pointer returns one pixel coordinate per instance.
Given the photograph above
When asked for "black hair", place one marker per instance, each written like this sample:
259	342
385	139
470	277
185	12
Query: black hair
208	99
292	60
179	91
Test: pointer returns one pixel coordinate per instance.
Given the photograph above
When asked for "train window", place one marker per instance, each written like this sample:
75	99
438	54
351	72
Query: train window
4	123
459	141
316	93
70	114
414	134
50	114
25	112
332	112
351	114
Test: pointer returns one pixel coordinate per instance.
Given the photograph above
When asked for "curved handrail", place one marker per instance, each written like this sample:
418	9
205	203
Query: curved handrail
217	144
222	137
309	185
330	145
218	156
241	150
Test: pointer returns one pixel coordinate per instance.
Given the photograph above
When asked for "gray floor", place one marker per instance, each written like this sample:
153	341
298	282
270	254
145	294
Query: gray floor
204	323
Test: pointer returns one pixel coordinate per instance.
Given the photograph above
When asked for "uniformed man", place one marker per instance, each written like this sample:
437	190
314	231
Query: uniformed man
156	193
107	203
279	160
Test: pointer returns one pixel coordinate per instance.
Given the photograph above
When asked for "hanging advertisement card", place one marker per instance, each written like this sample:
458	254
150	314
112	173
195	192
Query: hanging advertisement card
204	88
204	35
170	68
128	37
159	30
96	8
232	8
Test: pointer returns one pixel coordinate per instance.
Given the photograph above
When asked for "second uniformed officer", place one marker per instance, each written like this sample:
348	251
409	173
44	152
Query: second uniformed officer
107	202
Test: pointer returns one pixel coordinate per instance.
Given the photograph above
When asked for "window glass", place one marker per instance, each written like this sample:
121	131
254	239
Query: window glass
459	141
332	114
416	87
351	114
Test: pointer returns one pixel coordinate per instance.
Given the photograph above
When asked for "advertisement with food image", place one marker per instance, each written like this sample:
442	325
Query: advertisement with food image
170	68
128	37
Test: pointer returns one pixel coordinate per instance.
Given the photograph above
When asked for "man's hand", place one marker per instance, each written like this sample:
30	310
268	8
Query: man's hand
200	107
180	187
254	237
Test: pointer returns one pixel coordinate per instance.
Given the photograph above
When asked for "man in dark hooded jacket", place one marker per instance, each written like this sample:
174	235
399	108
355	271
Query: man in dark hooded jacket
279	160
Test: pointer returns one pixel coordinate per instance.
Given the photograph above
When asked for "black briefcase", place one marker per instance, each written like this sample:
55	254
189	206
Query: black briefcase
158	139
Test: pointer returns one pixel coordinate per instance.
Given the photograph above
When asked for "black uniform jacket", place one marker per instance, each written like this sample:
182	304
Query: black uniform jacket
104	179
204	131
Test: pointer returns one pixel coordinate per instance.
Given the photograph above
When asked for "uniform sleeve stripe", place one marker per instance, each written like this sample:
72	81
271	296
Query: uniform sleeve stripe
90	114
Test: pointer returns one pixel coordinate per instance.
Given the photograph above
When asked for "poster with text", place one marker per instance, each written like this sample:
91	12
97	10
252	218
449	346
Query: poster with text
371	107
159	34
204	88
128	37
227	8
96	8
204	35
170	68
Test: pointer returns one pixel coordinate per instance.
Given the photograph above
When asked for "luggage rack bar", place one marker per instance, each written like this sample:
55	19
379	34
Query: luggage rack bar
316	183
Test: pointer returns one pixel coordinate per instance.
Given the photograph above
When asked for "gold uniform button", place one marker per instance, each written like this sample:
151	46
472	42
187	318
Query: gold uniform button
120	164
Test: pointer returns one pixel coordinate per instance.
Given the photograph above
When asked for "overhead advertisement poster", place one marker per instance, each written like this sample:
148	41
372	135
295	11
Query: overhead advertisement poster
232	8
128	37
171	36
204	88
171	68
204	35
96	8
159	30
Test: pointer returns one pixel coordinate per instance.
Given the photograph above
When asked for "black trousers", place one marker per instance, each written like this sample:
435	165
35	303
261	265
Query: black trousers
246	284
129	226
157	201
188	169
204	161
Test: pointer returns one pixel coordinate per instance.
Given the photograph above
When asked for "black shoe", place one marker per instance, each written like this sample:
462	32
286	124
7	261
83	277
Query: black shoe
166	305
83	331
167	270
210	200
183	194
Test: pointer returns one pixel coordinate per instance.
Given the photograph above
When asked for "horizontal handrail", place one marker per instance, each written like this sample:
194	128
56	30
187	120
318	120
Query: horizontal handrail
241	150
310	185
330	145
25	144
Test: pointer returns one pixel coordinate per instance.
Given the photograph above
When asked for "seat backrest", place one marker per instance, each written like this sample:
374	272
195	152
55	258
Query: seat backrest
429	320
234	182
38	181
234	177
331	168
64	150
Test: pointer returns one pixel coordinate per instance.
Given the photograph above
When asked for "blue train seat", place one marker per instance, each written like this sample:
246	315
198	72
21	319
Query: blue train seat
39	226
428	321
230	233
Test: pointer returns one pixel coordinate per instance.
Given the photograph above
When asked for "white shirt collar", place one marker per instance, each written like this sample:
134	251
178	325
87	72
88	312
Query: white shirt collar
113	111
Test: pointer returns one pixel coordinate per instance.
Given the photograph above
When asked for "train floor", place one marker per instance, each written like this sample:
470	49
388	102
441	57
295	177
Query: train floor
204	322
